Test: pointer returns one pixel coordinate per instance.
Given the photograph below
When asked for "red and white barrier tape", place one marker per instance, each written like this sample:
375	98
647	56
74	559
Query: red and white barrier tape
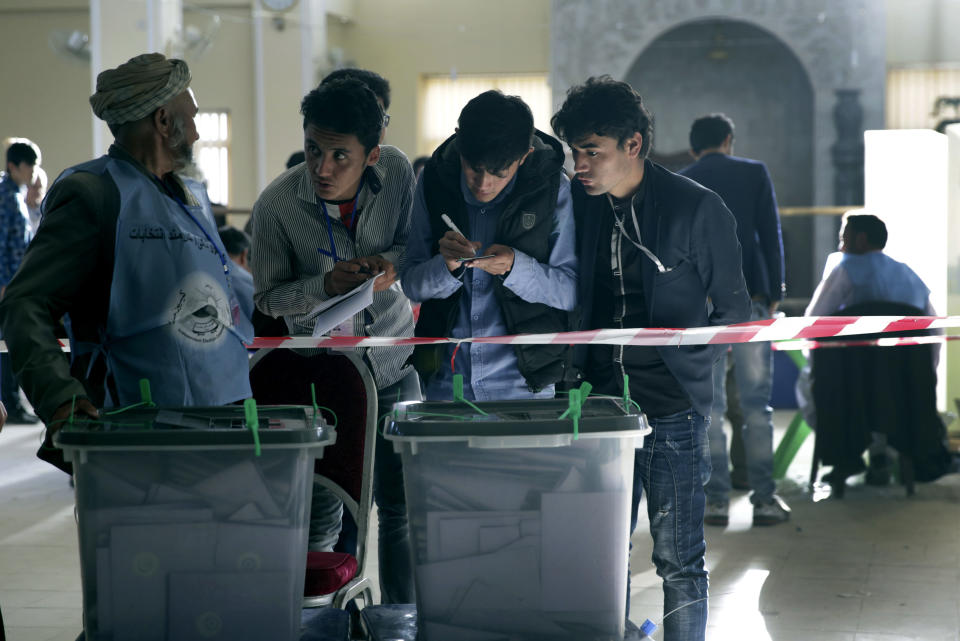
800	329
889	341
780	329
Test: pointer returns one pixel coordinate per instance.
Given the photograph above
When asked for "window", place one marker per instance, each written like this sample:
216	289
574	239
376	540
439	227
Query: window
442	97
913	92
212	153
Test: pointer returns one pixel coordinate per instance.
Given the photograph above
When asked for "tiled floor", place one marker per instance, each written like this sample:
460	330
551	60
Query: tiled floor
872	567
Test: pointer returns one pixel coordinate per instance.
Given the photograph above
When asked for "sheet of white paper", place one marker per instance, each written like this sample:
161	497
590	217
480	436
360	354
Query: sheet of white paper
232	488
441	585
495	537
336	310
230	606
141	558
582	568
252	548
452	535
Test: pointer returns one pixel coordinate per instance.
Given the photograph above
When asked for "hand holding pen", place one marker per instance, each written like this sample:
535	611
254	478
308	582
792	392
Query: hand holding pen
347	274
454	246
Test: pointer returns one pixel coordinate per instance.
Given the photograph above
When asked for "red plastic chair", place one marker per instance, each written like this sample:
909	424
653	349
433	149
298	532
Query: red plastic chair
343	384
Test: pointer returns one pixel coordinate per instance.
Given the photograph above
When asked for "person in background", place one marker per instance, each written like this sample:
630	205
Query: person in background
295	159
861	272
653	248
16	230
501	182
419	163
34	197
747	191
237	244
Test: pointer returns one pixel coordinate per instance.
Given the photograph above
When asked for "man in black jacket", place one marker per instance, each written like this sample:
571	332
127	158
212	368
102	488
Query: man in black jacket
491	252
746	188
653	247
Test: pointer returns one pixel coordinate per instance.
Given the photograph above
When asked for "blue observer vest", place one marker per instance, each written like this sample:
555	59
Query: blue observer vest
174	318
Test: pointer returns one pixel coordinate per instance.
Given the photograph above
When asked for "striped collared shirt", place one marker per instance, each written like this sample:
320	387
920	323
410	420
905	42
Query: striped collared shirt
288	268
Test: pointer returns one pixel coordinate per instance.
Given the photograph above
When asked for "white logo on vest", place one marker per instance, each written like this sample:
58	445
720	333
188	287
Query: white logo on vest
201	309
528	219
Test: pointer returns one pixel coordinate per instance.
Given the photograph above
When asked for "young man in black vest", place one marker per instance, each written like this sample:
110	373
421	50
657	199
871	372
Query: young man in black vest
491	252
653	248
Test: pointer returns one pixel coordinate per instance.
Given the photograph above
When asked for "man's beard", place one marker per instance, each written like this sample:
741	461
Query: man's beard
180	149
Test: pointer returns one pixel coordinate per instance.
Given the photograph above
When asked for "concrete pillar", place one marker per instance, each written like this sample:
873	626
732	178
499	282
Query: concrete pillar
908	190
953	261
288	49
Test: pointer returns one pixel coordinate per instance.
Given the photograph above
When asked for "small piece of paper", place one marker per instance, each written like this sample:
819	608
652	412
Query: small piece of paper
334	311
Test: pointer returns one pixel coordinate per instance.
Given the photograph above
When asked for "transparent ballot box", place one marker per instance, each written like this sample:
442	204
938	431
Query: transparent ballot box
518	519
192	524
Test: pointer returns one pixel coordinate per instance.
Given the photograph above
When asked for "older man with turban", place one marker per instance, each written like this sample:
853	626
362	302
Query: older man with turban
128	257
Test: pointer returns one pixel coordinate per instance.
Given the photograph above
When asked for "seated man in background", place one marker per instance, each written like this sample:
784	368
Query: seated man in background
501	182
322	228
858	273
156	302
861	272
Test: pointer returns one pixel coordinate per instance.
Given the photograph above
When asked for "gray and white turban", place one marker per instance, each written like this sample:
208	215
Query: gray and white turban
138	87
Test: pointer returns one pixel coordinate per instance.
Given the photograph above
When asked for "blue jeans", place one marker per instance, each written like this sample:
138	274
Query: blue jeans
393	540
671	468
753	371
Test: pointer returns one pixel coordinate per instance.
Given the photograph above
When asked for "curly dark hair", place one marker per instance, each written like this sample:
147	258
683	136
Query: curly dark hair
345	106
377	83
494	131
605	107
709	131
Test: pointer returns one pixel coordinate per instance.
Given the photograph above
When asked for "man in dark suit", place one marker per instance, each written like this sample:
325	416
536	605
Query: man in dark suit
653	246
747	191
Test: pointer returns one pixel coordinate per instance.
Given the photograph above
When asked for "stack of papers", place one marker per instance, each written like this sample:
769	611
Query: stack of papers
191	545
522	541
336	310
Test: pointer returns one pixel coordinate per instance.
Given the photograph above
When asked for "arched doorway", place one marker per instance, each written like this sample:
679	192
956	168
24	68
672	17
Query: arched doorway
748	73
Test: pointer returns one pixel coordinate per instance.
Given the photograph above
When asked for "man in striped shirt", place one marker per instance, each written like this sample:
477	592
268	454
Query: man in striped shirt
322	228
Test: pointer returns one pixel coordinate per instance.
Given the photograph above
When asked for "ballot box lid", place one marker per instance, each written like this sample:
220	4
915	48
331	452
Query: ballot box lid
453	420
288	426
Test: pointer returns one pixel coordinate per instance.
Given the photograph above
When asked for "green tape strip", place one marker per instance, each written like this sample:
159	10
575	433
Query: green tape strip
585	390
458	394
577	397
575	410
253	423
146	398
313	400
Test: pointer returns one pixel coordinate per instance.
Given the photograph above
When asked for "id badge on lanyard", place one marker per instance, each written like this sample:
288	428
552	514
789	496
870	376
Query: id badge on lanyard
343	329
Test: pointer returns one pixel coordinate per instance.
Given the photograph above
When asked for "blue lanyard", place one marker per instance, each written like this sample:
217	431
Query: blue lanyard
186	210
353	213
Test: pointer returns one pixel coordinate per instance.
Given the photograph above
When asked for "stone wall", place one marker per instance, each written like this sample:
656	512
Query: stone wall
839	44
